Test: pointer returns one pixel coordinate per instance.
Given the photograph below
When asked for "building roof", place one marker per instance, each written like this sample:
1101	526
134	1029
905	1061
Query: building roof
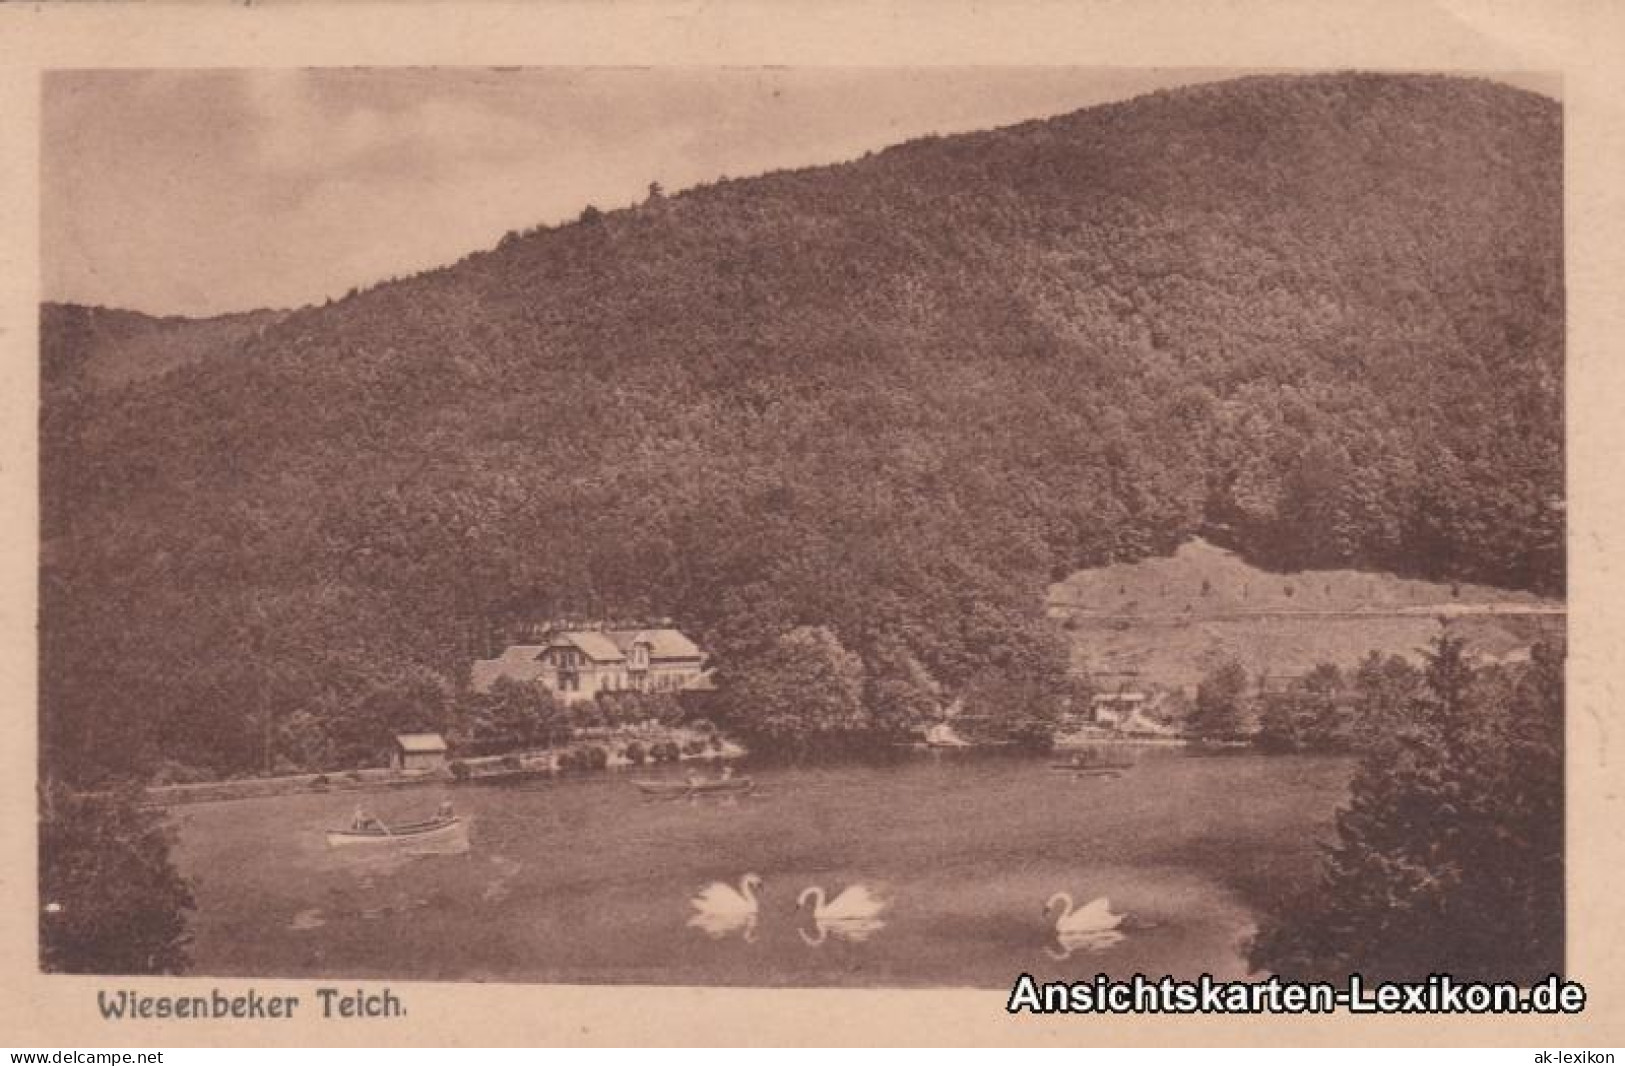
522	662
664	642
1277	682
420	743
1138	721
625	638
593	644
519	662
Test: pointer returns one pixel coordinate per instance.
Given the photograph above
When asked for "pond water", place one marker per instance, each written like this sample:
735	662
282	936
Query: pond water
586	880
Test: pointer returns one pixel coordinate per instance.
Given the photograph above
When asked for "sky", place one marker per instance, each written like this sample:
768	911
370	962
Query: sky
200	192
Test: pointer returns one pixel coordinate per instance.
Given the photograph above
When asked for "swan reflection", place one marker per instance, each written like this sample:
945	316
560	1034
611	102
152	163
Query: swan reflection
853	931
1089	943
718	926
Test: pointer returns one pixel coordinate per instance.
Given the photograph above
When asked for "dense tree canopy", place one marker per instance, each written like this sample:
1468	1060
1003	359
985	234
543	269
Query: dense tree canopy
1220	712
1319	318
111	901
1449	855
1313	714
804	685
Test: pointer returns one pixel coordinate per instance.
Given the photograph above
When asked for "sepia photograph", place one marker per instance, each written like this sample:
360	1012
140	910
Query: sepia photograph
799	527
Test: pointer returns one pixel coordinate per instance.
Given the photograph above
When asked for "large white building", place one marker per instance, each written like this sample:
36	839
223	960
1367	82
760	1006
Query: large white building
579	663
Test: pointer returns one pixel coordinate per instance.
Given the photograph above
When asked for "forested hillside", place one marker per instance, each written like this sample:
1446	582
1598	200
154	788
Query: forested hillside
99	347
1318	319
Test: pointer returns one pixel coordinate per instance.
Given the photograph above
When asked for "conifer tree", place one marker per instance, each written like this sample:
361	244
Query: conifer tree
1448	856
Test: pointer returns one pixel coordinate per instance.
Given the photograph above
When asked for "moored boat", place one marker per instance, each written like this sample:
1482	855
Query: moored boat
506	777
379	833
1090	762
695	788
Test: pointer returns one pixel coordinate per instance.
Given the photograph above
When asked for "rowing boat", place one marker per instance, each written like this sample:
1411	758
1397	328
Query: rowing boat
382	834
695	788
1092	767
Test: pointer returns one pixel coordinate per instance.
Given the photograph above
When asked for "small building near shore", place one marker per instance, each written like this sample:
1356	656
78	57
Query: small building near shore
1113	709
418	752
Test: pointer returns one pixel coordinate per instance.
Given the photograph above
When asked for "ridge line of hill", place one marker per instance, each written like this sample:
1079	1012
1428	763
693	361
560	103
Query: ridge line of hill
844	424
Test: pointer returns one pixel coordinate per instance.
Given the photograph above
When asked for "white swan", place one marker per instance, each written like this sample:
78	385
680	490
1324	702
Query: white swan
1096	916
853	915
856	903
721	909
1092	927
719	898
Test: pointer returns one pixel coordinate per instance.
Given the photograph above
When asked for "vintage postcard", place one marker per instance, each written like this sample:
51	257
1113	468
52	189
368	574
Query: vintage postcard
520	529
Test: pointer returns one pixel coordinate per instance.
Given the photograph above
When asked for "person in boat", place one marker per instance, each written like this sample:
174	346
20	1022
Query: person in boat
443	812
363	822
727	773
693	778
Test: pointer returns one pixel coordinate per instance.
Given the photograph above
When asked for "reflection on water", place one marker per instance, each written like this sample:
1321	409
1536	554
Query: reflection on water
1091	942
946	861
718	926
309	918
851	930
496	889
